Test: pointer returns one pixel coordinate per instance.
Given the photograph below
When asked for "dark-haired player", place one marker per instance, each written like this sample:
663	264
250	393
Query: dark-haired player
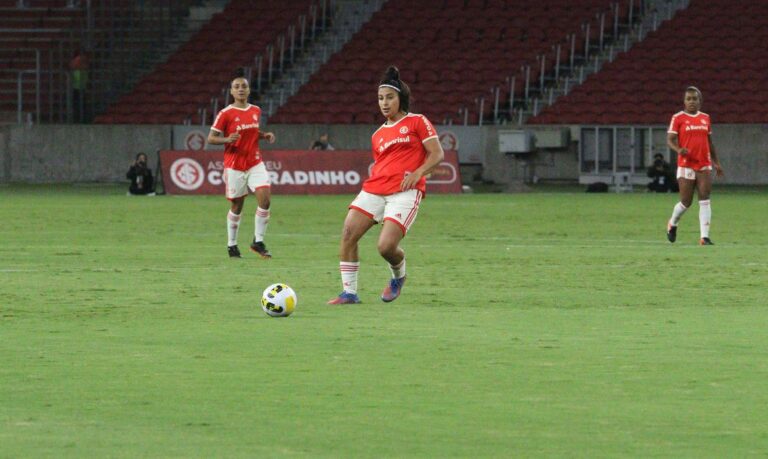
237	127
690	135
405	149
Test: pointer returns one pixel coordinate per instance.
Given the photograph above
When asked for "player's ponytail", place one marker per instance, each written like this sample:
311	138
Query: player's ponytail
391	79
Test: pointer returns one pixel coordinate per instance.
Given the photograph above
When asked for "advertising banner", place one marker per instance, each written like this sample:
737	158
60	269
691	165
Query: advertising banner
469	142
292	172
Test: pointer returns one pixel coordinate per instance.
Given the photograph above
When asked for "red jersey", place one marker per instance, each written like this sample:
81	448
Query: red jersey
693	133
243	154
398	149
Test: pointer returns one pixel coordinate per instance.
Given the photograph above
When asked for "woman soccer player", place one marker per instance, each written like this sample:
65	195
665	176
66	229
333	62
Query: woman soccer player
690	135
237	127
405	149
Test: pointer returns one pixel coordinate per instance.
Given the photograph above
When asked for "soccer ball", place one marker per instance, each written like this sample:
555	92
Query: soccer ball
278	300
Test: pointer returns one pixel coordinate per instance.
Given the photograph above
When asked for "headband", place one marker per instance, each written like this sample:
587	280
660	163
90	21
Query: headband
389	86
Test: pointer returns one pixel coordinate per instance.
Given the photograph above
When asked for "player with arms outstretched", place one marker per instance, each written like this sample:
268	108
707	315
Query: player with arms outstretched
237	127
405	150
690	135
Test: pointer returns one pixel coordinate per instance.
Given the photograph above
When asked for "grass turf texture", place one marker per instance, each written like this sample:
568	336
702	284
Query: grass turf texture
536	324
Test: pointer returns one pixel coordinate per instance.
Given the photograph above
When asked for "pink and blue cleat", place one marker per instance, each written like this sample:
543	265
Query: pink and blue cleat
393	290
345	298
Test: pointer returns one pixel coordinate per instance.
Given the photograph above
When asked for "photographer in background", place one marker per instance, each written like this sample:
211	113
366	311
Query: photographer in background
661	173
322	143
142	182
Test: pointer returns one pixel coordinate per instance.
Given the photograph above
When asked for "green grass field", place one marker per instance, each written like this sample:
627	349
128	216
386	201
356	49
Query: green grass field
538	324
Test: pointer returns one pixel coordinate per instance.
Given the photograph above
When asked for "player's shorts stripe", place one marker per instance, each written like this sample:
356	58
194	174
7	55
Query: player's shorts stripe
362	211
412	213
402	227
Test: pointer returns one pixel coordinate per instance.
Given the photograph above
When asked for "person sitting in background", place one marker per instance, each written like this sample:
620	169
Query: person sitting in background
322	143
661	173
142	182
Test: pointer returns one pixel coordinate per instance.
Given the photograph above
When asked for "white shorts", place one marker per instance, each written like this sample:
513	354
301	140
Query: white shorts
690	174
238	183
400	208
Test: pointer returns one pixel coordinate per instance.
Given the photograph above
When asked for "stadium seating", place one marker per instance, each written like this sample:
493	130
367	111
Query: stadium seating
44	28
451	53
715	45
202	67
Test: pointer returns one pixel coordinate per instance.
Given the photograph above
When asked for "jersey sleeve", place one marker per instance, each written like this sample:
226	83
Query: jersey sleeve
424	129
674	125
220	124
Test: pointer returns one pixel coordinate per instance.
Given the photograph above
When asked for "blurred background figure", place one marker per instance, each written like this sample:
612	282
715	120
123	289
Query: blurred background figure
78	68
322	143
142	182
661	173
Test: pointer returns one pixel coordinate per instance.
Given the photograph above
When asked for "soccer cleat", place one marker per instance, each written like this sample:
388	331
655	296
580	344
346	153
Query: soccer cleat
393	290
234	252
345	298
671	233
705	241
261	249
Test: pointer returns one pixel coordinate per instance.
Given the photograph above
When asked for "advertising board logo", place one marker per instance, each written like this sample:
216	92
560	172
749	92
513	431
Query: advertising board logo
195	141
449	140
445	172
187	174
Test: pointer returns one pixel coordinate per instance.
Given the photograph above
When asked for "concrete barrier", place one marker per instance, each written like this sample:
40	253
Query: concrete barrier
103	153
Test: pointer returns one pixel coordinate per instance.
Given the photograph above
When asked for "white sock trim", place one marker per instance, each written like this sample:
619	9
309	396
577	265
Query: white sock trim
705	217
677	213
398	271
261	220
233	226
349	270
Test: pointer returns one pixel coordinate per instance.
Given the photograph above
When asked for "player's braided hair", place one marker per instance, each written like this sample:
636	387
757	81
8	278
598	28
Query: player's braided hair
391	79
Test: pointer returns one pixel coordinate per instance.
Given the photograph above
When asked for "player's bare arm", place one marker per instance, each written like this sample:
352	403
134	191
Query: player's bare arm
435	154
715	160
268	136
216	138
674	145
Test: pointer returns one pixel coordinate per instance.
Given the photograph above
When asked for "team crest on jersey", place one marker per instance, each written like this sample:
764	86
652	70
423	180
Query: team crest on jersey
703	121
381	139
404	130
237	118
255	118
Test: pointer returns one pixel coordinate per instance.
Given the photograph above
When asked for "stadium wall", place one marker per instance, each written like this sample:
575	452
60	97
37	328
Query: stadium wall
102	153
76	153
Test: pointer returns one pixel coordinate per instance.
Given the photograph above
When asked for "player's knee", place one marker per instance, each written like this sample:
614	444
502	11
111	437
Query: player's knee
264	203
687	202
387	249
348	236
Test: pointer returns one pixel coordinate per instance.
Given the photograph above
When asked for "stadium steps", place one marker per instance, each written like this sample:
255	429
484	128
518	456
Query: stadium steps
40	27
252	30
659	11
723	56
457	72
138	52
347	19
198	17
